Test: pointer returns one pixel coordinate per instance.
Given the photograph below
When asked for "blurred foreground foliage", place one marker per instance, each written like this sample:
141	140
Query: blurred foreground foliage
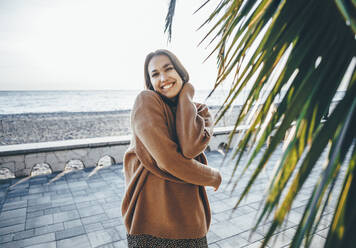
292	57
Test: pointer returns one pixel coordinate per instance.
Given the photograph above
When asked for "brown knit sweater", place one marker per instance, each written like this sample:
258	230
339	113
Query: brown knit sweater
165	168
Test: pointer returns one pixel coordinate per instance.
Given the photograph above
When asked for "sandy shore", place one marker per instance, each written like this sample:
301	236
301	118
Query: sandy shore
42	127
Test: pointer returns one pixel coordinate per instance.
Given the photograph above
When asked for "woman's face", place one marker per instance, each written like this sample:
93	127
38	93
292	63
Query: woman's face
164	77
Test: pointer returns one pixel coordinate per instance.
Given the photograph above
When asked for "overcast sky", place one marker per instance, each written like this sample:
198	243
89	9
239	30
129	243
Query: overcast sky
95	44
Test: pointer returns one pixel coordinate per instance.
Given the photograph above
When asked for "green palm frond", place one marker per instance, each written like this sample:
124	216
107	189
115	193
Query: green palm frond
299	51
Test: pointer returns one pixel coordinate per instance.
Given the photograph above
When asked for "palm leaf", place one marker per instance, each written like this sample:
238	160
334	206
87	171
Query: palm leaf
169	18
299	50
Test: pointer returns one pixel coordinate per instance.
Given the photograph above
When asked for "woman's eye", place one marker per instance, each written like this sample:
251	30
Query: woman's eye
154	75
169	68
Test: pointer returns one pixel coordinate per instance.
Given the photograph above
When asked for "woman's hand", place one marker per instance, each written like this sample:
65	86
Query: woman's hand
218	182
188	89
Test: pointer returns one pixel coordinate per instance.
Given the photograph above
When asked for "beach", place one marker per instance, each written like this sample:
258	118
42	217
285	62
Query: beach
42	127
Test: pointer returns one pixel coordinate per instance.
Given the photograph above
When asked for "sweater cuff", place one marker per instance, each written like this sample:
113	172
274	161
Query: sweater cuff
187	91
218	178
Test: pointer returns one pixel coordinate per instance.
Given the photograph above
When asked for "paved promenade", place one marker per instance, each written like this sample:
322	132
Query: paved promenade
77	211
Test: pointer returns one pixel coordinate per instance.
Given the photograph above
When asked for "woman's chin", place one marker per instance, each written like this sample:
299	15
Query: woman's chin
170	94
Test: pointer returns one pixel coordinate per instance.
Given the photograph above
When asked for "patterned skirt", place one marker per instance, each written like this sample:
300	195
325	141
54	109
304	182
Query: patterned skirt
148	241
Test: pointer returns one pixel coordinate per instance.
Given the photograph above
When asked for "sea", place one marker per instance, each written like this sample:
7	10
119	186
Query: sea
22	102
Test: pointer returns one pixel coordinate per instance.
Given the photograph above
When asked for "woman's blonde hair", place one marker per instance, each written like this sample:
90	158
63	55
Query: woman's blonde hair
176	64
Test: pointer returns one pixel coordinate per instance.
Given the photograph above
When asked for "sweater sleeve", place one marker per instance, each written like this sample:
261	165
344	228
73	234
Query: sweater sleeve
194	123
150	126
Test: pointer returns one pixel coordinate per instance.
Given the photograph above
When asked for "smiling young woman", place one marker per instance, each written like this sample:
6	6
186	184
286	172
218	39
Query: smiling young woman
165	202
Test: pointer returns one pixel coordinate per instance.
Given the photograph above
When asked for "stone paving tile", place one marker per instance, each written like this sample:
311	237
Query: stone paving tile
70	232
81	241
6	238
245	222
90	211
14	205
294	216
39	221
281	239
112	202
225	229
38	180
19	212
13	199
38	207
100	201
113	212
94	219
49	228
52	210
12	221
37	201
218	207
62	192
77	211
251	237
35	214
120	244
58	185
72	223
79	193
112	222
317	242
78	186
68	207
93	227
255	205
30	241
65	216
59	202
84	198
222	216
254	245
24	234
44	245
263	229
232	242
38	189
323	233
12	229
102	237
83	204
17	193
97	184
117	244
121	230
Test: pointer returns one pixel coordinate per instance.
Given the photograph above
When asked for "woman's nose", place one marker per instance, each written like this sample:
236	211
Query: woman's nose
163	77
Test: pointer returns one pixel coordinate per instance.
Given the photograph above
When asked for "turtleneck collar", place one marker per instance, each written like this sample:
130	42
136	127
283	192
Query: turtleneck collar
172	102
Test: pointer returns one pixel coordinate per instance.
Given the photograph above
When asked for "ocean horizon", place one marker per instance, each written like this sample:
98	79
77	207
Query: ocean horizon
53	101
58	101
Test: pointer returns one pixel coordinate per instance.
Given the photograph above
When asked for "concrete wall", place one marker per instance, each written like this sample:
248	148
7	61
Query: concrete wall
20	159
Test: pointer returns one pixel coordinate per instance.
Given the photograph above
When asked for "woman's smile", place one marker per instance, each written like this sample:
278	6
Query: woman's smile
167	85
